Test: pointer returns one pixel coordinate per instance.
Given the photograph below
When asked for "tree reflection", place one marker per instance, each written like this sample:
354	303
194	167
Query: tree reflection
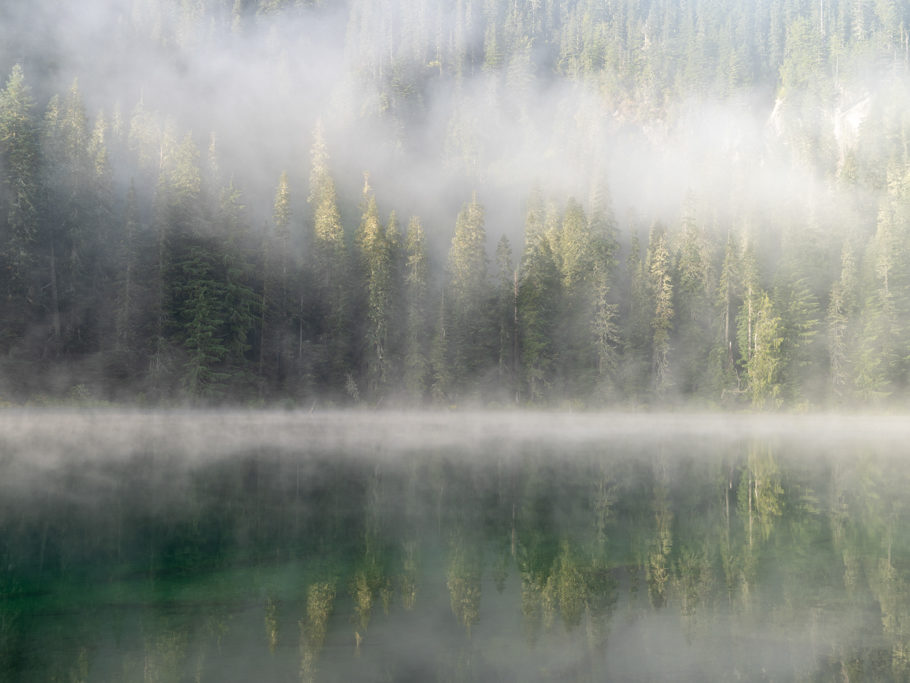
736	550
320	600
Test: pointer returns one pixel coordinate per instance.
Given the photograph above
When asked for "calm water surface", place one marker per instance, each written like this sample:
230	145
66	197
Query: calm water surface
453	547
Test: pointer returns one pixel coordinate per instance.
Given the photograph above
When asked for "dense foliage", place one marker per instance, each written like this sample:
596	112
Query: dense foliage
139	264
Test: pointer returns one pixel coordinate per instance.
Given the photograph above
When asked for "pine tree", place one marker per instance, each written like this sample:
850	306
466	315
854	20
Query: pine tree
238	298
841	323
605	325
277	300
539	293
507	316
837	342
330	269
103	214
582	257
637	356
763	368
441	354
196	311
397	314
879	363
800	320
729	301
471	324
417	303
750	288
695	297
188	346
376	263
75	218
660	268
19	202
126	340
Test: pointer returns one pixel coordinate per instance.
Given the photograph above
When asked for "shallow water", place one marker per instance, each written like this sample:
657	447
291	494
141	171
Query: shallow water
452	547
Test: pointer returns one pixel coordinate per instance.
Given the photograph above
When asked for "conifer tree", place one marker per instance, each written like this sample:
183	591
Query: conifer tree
837	342
750	288
75	218
539	292
329	266
695	306
880	359
605	311
637	356
125	283
376	265
572	244
764	365
841	324
19	206
441	352
397	315
800	321
471	324
660	268
728	298
417	311
507	316
277	300
237	299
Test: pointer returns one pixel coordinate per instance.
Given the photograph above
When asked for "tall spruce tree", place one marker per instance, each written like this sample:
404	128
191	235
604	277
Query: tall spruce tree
507	318
330	269
539	293
660	268
694	302
417	312
764	365
377	267
19	207
472	326
277	300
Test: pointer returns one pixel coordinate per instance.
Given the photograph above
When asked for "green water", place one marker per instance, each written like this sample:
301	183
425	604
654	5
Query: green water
499	547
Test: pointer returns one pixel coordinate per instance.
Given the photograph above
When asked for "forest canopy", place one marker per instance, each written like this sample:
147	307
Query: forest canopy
493	202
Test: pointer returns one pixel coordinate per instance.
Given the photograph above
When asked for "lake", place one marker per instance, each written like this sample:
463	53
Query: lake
502	546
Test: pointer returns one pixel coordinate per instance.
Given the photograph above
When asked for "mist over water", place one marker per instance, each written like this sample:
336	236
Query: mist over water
52	436
510	546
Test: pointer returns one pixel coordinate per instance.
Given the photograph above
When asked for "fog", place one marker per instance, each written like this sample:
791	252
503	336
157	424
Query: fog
44	437
510	546
259	83
469	544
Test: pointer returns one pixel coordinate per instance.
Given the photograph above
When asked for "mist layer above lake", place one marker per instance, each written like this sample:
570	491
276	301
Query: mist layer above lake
499	546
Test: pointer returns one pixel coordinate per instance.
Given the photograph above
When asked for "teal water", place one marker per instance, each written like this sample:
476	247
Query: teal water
452	547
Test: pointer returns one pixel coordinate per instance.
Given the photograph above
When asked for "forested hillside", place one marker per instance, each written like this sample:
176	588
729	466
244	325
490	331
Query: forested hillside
496	202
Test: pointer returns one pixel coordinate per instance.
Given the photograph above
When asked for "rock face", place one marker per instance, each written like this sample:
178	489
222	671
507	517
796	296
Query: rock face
845	119
848	119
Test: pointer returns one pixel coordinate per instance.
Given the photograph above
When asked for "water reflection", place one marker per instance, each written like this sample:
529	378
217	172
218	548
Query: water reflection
685	557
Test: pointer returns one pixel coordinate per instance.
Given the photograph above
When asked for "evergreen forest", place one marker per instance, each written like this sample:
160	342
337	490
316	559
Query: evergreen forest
578	203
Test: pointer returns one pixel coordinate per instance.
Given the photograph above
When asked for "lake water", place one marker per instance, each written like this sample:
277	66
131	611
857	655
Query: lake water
453	547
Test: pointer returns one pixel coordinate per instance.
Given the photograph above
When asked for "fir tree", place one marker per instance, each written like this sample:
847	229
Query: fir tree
376	258
19	167
471	324
660	267
417	303
329	266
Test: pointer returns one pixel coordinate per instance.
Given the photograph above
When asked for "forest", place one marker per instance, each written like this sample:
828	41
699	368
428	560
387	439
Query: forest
575	203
